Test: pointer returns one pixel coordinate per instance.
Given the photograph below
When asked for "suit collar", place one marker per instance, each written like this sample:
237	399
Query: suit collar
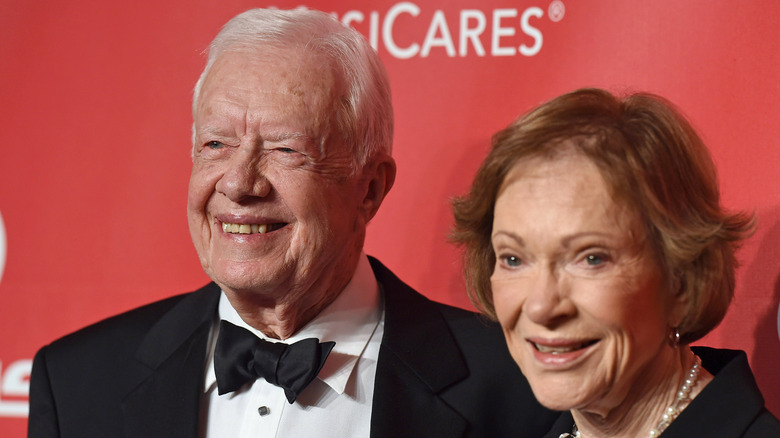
410	372
418	359
433	343
178	325
351	321
165	402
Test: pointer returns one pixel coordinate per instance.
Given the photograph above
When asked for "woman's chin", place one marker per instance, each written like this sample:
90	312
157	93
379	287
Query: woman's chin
555	396
554	403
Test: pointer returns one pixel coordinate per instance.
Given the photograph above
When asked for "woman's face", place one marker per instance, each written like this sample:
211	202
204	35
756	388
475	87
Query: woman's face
577	290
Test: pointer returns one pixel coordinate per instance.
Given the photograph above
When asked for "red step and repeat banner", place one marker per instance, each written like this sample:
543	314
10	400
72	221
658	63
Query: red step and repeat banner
95	116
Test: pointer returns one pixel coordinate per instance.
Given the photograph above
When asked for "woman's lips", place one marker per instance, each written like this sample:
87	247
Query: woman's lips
560	352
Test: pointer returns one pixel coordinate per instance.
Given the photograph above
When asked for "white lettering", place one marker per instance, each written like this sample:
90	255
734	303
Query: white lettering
352	17
531	31
373	37
498	32
471	34
15	382
509	36
438	25
387	30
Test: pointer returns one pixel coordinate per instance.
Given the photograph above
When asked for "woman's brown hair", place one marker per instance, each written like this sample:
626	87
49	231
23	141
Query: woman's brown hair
653	160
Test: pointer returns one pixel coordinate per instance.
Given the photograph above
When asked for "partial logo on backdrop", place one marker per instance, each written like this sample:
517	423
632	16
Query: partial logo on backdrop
15	378
2	247
462	33
15	388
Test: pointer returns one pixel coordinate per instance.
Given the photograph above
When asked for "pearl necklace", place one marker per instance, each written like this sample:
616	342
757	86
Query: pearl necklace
673	411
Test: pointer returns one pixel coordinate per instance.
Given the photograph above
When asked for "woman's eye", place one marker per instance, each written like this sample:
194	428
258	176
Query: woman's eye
512	261
594	259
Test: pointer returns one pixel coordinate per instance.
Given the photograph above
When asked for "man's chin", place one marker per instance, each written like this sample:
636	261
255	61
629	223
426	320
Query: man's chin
247	278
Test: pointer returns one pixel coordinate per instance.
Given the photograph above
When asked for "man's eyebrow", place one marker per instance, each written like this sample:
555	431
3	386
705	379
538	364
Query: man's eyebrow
285	135
213	132
210	130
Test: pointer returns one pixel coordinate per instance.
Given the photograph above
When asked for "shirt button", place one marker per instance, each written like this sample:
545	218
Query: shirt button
263	411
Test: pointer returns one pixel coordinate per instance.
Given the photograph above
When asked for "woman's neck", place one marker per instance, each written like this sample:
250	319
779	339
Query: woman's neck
644	407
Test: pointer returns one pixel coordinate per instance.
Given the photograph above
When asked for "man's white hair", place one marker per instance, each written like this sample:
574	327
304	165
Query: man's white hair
365	113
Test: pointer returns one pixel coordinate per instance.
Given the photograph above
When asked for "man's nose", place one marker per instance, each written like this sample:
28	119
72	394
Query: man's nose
244	177
548	298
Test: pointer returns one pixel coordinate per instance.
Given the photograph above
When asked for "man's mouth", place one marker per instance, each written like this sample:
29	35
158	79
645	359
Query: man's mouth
562	349
250	228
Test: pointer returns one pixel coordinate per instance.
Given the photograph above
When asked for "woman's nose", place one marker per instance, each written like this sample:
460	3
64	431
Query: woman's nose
548	298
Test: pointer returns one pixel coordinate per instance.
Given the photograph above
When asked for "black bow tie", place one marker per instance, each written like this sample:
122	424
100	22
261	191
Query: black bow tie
242	357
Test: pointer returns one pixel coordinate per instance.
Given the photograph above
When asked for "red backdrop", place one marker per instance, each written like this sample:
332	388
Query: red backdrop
95	121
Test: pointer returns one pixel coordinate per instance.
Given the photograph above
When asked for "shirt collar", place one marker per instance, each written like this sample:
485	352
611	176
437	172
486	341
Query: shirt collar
350	320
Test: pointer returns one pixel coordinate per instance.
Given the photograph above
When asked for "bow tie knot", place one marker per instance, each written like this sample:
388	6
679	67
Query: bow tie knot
242	357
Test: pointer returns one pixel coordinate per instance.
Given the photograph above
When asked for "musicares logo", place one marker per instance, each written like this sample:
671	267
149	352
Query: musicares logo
497	32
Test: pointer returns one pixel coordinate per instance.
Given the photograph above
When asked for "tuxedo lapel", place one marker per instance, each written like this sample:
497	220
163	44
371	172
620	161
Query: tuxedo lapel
165	401
418	359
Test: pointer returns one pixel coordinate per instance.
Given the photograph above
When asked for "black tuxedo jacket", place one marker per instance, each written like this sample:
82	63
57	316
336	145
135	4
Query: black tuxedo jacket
442	372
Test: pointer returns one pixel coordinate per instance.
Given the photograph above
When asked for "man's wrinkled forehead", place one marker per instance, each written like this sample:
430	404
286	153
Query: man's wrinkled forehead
286	85
286	69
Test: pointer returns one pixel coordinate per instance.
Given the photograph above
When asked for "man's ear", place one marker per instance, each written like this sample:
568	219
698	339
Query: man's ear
379	176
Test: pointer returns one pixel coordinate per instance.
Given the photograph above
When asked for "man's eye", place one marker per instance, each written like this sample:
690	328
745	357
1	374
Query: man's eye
215	145
286	150
594	259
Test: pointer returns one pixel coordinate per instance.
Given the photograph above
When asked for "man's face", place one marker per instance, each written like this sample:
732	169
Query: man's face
274	208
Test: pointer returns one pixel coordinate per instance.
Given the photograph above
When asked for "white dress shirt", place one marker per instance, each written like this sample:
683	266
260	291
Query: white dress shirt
337	403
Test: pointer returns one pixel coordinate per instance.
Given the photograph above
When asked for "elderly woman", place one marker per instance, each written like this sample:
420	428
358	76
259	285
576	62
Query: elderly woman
594	235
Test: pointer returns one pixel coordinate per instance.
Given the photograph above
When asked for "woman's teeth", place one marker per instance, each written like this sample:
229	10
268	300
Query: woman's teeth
562	349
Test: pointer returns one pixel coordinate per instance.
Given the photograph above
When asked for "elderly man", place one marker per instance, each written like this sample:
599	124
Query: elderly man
291	160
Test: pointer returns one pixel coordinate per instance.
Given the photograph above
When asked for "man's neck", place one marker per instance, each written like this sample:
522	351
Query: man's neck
280	320
281	315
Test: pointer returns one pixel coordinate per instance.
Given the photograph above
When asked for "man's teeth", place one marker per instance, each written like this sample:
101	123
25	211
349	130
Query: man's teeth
560	350
245	228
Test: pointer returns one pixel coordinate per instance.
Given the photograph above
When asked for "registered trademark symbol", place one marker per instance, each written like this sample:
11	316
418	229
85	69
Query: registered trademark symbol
556	11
